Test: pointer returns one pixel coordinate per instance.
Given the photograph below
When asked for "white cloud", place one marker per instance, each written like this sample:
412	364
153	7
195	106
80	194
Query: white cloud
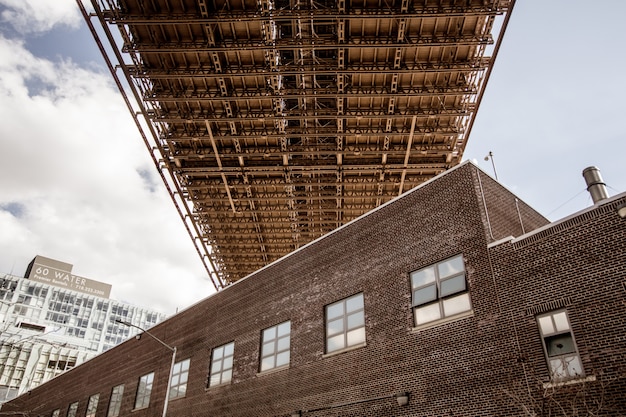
72	171
33	16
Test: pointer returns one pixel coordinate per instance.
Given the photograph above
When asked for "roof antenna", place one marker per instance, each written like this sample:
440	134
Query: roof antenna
493	164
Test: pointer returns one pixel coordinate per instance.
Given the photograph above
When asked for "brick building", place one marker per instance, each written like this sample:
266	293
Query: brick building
455	299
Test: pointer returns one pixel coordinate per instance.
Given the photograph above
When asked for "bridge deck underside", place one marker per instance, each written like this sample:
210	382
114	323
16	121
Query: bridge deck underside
279	121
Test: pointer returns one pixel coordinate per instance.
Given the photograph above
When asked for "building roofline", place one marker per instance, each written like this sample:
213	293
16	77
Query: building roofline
557	223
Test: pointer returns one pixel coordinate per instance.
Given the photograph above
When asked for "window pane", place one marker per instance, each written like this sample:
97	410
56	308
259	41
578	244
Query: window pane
422	277
545	324
217	367
356	336
425	295
282	344
215	379
227	375
268	348
561	322
427	313
334	310
335	343
228	362
269	334
574	367
456	305
218	352
356	320
560	344
267	363
335	326
453	285
354	303
451	267
282	358
229	349
556	366
284	329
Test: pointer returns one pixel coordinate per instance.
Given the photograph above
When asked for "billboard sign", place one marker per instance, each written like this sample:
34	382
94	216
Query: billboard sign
57	273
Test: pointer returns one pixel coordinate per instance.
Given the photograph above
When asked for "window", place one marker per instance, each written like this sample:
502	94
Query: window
180	374
73	408
116	401
92	405
143	391
559	346
275	346
56	413
440	291
222	364
345	323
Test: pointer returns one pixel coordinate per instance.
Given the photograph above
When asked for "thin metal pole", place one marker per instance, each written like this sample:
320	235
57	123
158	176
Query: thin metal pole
493	164
169	383
173	349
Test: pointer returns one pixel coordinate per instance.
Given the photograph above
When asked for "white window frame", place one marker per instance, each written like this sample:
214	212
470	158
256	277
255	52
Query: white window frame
222	364
440	291
345	324
275	346
92	405
180	376
115	403
559	346
144	390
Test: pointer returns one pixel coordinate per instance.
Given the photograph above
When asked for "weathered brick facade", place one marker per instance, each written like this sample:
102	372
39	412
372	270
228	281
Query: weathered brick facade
487	362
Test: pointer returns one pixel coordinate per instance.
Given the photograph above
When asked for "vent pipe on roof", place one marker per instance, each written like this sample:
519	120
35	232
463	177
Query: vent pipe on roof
595	184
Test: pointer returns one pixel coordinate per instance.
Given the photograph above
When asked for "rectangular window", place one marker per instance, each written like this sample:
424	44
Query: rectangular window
440	291
92	405
116	401
559	346
73	408
345	323
275	346
144	389
180	375
222	364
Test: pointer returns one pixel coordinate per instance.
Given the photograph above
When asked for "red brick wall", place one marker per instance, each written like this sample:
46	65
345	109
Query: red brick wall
460	368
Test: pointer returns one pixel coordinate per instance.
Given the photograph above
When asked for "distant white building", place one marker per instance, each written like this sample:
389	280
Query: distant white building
52	320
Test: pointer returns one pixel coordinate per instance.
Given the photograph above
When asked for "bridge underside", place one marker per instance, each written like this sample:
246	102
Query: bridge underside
275	122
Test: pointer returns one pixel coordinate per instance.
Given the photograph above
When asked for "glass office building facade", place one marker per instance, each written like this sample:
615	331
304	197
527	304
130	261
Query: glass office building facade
46	329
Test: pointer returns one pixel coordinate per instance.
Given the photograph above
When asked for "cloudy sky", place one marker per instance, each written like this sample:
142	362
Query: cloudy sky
77	185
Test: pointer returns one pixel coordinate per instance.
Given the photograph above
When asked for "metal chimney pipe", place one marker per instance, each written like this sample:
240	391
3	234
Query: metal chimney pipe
595	184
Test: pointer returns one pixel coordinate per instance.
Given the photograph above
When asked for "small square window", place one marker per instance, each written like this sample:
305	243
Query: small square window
345	323
92	405
116	401
222	364
559	346
275	346
72	410
144	389
180	375
440	291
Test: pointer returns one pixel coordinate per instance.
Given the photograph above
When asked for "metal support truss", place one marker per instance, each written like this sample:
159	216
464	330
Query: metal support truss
273	122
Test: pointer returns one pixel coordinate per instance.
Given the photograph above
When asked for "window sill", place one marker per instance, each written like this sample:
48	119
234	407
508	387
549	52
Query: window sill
574	381
344	350
223	384
138	409
271	371
435	323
